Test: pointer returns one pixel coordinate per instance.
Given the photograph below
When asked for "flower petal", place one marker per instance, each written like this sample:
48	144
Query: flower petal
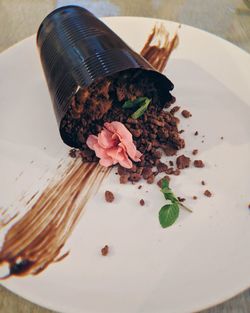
91	141
105	139
107	162
113	145
120	155
119	129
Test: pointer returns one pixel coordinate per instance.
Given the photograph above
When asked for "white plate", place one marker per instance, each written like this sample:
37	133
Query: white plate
200	261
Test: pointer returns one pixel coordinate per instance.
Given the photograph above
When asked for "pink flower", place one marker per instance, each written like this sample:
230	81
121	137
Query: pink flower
114	144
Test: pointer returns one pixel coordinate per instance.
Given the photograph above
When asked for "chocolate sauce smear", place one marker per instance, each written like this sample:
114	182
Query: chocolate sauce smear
158	54
36	240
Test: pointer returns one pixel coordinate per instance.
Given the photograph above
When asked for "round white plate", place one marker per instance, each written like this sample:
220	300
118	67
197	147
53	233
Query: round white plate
200	261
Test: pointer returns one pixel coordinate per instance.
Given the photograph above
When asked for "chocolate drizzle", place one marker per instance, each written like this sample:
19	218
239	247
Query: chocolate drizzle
158	54
37	239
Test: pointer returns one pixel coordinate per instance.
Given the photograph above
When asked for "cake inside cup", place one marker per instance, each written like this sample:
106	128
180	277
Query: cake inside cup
155	132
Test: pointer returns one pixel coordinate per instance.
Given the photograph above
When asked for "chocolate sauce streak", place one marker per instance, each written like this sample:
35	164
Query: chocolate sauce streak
5	219
158	54
37	239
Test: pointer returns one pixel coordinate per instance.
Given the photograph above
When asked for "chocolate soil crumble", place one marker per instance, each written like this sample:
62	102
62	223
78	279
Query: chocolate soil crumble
154	133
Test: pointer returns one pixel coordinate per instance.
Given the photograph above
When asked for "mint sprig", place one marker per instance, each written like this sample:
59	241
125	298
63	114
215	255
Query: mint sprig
142	102
143	107
169	213
132	103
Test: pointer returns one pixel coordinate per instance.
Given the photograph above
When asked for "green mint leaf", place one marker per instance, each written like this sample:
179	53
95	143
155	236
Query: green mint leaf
170	196
167	192
130	104
168	214
143	107
164	184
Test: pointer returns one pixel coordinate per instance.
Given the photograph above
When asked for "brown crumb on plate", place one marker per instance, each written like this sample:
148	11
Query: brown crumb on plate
105	250
162	167
151	179
199	163
73	153
196	133
182	162
174	109
203	183
124	178
109	196
176	172
142	202
186	114
181	199
195	151
194	197
208	193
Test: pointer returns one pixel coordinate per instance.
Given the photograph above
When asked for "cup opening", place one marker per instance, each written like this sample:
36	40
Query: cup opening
103	100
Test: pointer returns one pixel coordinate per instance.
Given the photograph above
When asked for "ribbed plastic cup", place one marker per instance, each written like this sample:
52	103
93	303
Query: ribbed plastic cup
76	48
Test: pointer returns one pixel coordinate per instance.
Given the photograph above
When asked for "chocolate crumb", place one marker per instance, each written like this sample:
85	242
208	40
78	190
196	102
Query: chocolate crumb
161	167
181	199
135	177
147	172
140	187
249	206
202	141
176	172
196	133
186	114
181	131
124	178
194	197
175	109
109	196
195	151
169	151
142	202
151	179
170	171
199	163
207	193
171	163
221	137
73	153
182	162
203	183
159	183
105	250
